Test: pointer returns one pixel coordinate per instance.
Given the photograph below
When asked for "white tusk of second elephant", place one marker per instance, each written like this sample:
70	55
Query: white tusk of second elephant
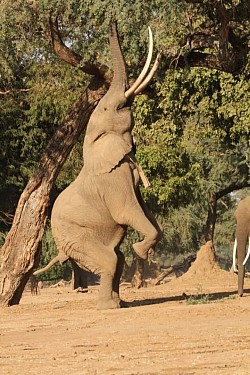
234	256
248	253
137	83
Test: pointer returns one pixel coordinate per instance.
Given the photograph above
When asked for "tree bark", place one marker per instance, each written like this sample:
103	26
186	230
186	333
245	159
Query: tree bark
138	281
21	250
211	217
79	277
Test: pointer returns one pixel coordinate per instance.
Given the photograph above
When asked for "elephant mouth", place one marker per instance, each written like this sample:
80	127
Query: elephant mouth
122	105
123	108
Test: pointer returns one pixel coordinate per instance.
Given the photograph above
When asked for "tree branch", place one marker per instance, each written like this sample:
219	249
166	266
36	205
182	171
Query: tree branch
231	188
13	91
199	59
214	44
71	57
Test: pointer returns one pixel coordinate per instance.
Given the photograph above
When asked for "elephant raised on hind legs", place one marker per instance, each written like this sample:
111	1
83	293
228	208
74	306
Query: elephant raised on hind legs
90	217
242	237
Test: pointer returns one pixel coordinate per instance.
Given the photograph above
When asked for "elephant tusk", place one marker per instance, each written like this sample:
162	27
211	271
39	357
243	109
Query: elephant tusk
142	175
248	253
234	256
143	73
150	74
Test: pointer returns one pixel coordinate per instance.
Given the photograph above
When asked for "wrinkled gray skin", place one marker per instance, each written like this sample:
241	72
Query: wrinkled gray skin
242	233
90	218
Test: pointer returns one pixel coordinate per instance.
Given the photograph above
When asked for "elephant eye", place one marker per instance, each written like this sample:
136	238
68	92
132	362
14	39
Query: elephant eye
105	108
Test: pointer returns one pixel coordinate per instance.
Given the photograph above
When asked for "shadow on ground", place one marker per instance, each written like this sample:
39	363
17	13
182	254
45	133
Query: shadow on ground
198	298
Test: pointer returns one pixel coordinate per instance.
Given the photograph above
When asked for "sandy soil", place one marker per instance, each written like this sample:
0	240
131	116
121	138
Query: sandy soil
166	329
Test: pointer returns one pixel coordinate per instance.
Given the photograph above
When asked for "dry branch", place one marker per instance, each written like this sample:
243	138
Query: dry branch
176	269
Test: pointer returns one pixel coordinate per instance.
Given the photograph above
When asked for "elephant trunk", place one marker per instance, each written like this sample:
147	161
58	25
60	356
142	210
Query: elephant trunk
119	80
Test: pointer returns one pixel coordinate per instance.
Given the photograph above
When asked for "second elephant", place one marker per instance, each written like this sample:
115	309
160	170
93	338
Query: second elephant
242	237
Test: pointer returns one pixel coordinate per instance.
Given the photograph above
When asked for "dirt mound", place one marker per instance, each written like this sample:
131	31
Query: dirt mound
205	263
205	272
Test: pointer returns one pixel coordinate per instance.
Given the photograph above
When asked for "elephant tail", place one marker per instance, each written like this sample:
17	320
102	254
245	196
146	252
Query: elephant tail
59	258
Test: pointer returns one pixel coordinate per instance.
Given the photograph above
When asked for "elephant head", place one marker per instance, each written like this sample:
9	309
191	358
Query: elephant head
111	122
242	236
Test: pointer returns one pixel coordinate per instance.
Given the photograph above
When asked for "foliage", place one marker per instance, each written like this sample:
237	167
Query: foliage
84	25
192	140
36	92
200	298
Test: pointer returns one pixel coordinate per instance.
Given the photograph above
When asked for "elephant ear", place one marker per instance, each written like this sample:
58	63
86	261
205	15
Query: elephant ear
104	153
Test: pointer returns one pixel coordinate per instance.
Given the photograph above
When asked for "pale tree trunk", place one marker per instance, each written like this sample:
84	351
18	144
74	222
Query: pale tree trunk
21	250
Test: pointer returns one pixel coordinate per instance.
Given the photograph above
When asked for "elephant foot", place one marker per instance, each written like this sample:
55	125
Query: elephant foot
140	250
107	304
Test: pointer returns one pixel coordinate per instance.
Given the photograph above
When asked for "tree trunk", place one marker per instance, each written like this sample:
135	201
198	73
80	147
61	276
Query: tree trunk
211	218
21	250
79	277
138	281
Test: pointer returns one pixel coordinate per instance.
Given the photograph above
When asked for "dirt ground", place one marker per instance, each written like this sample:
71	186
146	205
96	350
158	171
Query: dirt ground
195	324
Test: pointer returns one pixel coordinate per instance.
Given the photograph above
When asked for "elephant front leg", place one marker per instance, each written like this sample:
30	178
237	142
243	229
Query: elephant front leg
142	220
151	238
127	208
146	246
135	217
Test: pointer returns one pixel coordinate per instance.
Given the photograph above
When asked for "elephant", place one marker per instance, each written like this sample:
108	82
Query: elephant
242	236
90	217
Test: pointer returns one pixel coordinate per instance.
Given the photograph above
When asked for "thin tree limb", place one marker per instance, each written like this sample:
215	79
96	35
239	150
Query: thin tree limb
68	55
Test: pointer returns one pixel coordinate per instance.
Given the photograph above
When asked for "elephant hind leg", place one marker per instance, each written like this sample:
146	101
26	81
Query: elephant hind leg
91	254
101	260
241	254
107	262
106	298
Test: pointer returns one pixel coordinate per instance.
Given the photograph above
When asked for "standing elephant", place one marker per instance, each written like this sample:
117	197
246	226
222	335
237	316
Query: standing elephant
90	217
242	237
